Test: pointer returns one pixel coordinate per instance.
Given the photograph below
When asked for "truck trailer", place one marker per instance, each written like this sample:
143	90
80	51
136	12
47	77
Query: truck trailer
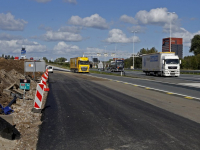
79	64
162	64
117	65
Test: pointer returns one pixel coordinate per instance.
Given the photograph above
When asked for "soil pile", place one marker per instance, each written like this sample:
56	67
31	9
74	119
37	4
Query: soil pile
25	121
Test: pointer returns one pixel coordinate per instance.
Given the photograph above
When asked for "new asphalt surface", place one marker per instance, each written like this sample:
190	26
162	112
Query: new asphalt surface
82	115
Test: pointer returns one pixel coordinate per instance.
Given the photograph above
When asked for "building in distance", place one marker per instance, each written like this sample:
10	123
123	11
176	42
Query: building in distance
176	46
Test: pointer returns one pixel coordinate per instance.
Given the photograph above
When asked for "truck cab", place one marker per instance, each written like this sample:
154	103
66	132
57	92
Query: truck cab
117	65
171	66
79	64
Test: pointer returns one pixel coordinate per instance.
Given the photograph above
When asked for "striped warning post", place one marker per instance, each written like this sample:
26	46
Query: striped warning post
46	75
44	81
39	96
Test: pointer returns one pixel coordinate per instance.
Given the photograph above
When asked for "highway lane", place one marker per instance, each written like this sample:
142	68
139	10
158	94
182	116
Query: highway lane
164	86
83	115
183	78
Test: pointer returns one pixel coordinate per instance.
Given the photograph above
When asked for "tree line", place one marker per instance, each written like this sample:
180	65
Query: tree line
188	62
7	56
138	60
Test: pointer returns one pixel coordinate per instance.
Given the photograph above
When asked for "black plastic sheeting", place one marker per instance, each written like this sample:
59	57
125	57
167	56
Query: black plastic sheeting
8	131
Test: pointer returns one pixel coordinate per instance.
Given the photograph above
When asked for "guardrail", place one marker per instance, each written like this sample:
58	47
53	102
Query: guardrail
190	71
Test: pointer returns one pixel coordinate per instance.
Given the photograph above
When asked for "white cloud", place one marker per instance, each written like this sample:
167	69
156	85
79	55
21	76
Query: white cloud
14	46
158	16
94	21
61	36
70	1
63	48
186	35
8	22
117	36
128	19
8	37
72	29
42	1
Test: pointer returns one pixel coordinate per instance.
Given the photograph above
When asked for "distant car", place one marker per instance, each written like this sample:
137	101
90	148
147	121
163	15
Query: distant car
50	69
31	58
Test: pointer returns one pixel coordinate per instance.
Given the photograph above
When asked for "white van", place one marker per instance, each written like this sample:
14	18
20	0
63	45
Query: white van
50	69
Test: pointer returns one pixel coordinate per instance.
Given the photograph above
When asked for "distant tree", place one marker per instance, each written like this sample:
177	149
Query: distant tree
142	51
152	50
147	51
128	62
138	62
12	57
3	55
8	56
45	59
61	59
195	45
198	61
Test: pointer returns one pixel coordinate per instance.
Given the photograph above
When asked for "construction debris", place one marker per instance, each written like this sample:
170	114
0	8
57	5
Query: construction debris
24	127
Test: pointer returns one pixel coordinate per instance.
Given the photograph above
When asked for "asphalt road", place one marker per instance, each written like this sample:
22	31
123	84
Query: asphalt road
183	78
82	115
160	85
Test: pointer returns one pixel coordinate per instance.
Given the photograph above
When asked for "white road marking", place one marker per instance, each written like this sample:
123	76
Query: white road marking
185	96
191	84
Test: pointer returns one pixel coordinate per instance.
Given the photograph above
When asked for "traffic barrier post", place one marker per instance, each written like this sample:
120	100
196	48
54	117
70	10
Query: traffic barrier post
39	96
44	81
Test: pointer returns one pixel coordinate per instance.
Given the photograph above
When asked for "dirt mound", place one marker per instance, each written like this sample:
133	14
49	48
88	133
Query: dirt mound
11	71
27	122
9	64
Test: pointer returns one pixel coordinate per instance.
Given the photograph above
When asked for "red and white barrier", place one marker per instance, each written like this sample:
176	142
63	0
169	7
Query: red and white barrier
38	96
44	81
41	87
46	75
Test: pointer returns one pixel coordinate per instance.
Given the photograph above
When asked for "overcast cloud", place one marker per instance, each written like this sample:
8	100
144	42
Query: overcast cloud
94	21
8	22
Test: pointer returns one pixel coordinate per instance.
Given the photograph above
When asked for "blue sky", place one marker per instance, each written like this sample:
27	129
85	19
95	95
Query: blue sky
69	28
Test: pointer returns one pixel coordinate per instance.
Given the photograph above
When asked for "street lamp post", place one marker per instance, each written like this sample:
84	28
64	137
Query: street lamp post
170	27
104	57
133	47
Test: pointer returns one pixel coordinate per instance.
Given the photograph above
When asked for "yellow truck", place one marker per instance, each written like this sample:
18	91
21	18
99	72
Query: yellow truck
79	64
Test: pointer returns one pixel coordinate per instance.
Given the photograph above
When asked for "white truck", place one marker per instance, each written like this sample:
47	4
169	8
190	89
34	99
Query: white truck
163	64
